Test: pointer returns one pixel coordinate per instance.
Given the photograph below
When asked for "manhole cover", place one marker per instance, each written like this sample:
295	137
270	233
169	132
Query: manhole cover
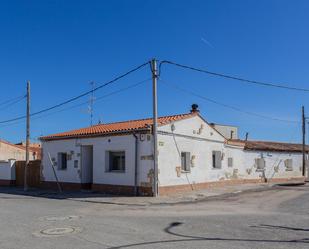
57	231
60	218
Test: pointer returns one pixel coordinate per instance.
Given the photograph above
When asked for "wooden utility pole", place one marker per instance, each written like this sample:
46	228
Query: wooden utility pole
155	126
27	137
304	139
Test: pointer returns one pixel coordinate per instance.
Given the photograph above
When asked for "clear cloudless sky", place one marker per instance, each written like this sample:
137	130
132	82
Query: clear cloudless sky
61	46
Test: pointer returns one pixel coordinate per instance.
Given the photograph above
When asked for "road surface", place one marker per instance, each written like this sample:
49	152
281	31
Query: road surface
277	218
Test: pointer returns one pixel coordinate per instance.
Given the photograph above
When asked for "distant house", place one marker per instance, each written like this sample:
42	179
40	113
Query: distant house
192	154
18	151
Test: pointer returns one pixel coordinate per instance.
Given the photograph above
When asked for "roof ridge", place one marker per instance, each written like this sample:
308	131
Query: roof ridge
265	141
142	119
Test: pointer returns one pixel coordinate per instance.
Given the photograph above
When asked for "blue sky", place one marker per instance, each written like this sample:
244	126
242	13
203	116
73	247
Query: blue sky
61	46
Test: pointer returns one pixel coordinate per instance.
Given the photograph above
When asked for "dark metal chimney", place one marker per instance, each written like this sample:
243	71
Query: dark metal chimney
194	108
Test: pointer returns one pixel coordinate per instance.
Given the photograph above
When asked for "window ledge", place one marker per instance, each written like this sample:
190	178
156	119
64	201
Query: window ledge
186	171
115	171
216	168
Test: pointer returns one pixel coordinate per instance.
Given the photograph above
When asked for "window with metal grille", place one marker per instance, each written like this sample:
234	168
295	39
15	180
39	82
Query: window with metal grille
62	161
185	161
117	161
216	159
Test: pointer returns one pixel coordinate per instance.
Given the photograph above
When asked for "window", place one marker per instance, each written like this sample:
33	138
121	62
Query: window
230	162
288	164
216	159
117	160
75	163
185	161
260	164
62	161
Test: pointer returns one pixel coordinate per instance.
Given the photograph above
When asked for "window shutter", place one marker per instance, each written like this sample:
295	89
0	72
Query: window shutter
59	164
288	164
260	163
230	162
218	159
183	161
188	161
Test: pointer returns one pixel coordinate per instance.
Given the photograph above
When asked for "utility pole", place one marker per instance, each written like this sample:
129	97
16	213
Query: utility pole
304	139
27	137
155	126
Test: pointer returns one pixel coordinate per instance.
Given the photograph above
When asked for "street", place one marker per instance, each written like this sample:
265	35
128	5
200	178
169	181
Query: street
276	218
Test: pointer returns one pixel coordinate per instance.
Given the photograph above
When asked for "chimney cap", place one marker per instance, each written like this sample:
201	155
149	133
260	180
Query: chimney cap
194	108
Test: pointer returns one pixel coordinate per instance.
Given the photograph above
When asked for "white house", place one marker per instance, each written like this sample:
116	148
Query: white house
192	154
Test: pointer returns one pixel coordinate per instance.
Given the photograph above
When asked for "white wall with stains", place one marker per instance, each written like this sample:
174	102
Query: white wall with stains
182	137
192	135
101	145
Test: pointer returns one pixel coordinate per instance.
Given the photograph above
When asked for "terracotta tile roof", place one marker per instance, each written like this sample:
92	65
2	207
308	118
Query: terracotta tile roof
118	127
267	145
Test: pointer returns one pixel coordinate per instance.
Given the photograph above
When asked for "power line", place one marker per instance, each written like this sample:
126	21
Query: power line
12	103
266	84
225	105
83	103
79	96
12	100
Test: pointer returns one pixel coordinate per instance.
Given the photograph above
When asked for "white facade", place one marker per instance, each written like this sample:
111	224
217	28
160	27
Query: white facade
192	135
100	174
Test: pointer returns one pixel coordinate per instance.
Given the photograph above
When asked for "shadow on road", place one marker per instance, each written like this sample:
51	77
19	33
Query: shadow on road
188	238
281	227
80	196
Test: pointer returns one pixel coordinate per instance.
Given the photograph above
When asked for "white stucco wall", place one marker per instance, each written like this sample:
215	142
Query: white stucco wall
274	164
7	170
192	135
200	145
100	146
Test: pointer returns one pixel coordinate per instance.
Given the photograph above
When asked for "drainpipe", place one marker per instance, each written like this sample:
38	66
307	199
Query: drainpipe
135	166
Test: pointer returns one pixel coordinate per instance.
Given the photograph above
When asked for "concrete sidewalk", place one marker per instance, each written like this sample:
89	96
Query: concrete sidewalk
188	197
181	198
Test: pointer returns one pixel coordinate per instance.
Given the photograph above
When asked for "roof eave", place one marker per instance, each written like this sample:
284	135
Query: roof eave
106	134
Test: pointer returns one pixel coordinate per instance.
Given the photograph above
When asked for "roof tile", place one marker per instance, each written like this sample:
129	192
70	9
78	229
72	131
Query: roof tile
267	145
125	126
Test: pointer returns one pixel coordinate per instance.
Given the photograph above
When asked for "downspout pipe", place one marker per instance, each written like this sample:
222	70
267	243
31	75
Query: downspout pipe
135	165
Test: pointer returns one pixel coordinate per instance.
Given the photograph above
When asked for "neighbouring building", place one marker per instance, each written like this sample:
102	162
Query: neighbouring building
192	154
228	131
10	155
18	151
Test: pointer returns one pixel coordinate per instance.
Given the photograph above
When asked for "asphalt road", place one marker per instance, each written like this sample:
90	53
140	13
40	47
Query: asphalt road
276	218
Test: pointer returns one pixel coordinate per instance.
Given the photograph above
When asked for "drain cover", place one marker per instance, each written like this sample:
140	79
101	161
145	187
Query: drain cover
57	231
60	218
